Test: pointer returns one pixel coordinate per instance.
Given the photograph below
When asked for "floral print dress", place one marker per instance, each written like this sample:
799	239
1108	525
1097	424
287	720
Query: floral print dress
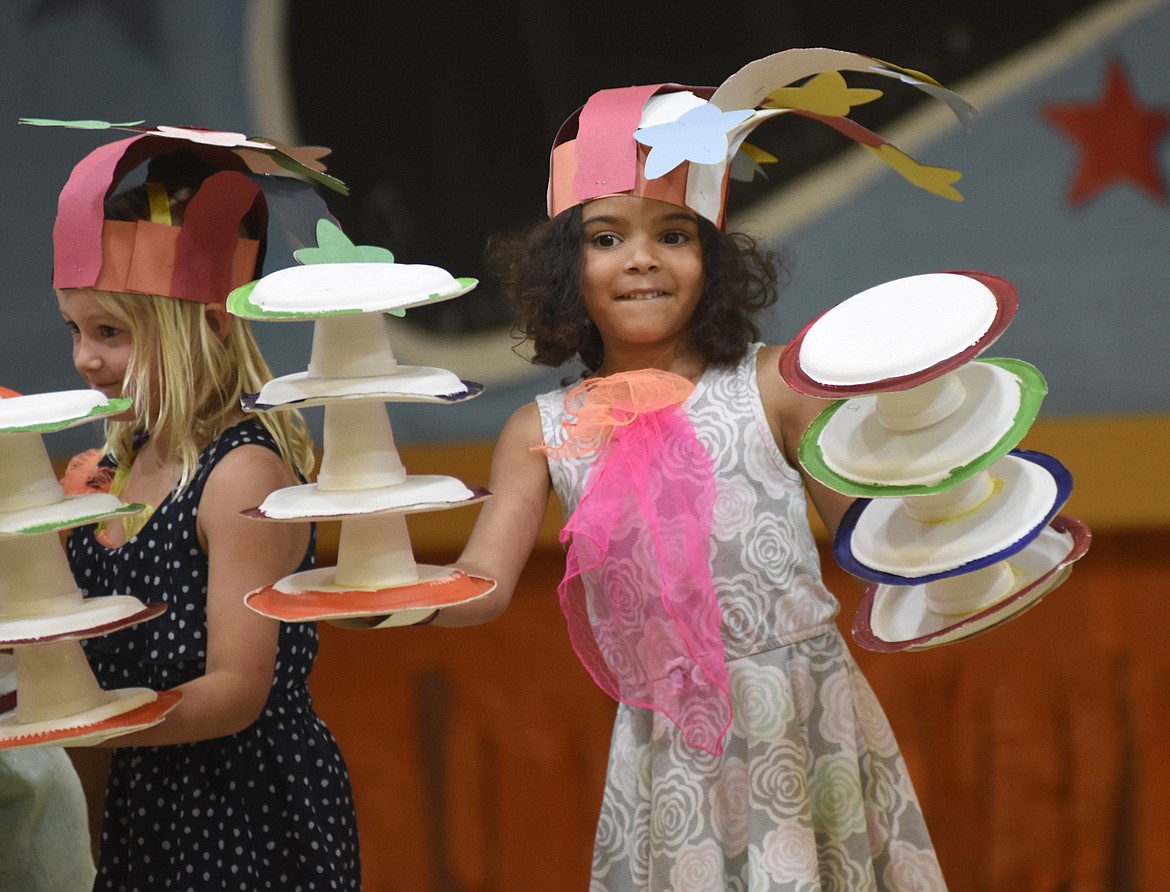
810	792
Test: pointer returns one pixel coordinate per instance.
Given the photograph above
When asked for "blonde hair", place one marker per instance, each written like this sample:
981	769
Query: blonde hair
186	383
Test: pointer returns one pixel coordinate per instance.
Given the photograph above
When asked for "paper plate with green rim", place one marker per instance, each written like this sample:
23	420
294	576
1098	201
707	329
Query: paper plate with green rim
894	618
54	411
302	293
69	512
899	334
849	449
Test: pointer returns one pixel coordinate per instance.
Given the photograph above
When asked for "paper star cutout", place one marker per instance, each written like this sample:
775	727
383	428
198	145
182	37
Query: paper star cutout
1117	136
749	162
933	179
825	94
699	136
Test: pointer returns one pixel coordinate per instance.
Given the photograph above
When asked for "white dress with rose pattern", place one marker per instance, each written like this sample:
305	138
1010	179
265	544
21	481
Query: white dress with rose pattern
811	792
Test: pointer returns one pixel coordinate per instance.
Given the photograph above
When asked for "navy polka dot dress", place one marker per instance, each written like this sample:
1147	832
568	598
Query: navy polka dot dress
267	808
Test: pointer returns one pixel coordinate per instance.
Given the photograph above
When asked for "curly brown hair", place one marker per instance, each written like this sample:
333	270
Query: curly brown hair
539	269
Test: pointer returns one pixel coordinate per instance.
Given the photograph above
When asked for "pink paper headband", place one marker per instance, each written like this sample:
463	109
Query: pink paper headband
204	258
677	143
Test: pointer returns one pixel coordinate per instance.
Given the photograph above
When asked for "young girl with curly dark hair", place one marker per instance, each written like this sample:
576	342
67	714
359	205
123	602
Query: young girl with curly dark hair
739	281
748	751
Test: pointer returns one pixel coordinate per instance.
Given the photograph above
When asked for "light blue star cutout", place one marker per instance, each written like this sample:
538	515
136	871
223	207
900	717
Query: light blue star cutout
698	136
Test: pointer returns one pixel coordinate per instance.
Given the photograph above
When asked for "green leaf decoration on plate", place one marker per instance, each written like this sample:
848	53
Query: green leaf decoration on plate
334	246
79	125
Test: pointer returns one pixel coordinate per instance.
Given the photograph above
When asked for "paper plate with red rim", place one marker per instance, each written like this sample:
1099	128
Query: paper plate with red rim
314	595
126	711
88	618
895	618
899	334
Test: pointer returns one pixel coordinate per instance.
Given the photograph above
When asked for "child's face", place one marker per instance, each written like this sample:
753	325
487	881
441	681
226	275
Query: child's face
101	341
641	271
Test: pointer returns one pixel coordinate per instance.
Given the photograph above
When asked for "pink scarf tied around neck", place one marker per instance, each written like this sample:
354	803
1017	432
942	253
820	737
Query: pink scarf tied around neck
637	594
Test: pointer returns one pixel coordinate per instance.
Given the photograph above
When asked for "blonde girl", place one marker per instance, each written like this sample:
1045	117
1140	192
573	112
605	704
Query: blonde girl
242	786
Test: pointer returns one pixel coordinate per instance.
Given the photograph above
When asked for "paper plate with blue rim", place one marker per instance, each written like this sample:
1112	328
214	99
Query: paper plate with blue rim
980	522
926	439
408	384
899	334
893	618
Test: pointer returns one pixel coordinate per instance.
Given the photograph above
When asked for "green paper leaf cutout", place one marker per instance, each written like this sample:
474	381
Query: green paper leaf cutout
334	246
294	166
79	125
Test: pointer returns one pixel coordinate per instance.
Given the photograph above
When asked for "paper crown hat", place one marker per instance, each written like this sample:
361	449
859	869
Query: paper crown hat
203	258
677	143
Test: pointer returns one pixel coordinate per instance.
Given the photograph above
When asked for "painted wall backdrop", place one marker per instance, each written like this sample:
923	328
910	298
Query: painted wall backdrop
440	116
1039	751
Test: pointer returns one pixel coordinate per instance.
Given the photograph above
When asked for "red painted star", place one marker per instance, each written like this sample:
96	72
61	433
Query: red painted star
1117	136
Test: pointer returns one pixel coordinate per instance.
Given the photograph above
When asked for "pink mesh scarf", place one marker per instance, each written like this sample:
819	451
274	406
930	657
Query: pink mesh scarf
637	593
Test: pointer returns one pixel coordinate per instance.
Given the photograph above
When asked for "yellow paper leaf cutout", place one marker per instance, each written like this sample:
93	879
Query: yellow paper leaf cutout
933	179
757	154
825	94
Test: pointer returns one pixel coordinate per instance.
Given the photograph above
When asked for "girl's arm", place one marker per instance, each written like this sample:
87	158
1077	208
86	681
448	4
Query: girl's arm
789	415
509	521
242	555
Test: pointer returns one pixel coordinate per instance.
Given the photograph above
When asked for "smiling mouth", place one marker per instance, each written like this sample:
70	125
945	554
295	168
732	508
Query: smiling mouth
642	295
